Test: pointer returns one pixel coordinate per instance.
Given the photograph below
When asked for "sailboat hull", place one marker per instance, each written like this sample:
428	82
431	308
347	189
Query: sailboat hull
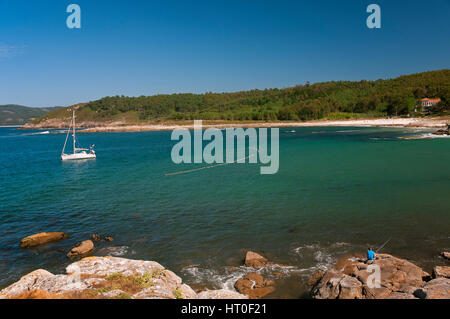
78	153
77	156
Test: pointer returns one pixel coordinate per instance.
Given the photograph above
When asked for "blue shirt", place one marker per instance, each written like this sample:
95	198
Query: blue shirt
370	255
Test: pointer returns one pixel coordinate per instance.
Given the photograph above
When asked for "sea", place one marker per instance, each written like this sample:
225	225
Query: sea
338	191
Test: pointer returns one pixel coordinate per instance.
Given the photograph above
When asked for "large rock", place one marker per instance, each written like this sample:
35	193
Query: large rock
437	289
328	286
105	266
316	276
26	283
351	288
83	249
103	277
221	294
255	260
42	238
254	285
399	278
441	271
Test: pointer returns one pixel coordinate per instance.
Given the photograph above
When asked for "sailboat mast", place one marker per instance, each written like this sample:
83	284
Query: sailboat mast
74	139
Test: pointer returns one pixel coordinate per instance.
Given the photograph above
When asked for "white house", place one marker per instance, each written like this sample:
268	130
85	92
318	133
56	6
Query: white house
427	103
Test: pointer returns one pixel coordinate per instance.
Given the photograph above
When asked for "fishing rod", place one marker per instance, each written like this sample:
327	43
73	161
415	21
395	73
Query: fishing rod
383	245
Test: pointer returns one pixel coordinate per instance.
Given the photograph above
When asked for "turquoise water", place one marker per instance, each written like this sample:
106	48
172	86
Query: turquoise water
337	191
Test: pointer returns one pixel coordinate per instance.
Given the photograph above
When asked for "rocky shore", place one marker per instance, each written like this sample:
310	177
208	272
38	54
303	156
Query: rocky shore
119	278
351	278
109	278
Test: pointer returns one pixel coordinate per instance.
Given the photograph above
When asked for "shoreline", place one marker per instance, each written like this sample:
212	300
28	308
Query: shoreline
424	123
110	277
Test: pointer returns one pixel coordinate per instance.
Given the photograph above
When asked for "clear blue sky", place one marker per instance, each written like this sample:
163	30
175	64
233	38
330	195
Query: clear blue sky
149	47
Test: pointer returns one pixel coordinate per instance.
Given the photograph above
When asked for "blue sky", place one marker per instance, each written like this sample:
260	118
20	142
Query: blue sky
148	47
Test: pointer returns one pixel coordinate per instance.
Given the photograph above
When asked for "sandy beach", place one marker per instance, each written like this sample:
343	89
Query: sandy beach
391	122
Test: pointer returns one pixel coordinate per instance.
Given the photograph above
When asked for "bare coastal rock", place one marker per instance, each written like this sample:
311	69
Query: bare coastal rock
445	254
86	247
441	272
42	238
255	260
220	294
400	279
254	285
109	278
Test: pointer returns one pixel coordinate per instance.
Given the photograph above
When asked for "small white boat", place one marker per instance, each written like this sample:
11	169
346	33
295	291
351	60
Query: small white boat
78	153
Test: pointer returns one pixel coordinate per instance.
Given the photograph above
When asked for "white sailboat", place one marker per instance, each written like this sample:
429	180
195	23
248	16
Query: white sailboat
78	153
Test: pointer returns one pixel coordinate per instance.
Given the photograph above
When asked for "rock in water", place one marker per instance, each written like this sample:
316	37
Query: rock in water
42	238
95	237
255	260
254	285
109	238
82	249
445	254
441	132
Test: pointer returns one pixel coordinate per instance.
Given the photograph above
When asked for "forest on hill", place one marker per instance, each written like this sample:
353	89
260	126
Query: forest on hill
334	100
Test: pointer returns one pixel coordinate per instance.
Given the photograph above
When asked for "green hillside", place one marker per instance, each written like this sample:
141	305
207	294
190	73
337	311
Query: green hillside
12	114
334	100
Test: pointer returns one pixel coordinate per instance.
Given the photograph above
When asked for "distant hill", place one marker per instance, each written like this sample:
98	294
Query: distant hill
12	114
332	100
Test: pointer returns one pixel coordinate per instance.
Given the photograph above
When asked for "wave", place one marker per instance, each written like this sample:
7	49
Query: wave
426	136
323	257
346	131
35	133
116	251
226	277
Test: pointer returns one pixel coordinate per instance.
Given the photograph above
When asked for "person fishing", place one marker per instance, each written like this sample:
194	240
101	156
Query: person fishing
370	255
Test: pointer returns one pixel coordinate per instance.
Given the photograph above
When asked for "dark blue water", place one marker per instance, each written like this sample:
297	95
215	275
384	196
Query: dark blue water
337	191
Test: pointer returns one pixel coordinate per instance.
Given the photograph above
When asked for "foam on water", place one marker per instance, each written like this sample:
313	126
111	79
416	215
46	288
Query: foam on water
116	251
226	277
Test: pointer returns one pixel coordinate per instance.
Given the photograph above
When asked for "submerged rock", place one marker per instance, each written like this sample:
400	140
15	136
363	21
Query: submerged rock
109	238
42	238
399	279
96	237
82	249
